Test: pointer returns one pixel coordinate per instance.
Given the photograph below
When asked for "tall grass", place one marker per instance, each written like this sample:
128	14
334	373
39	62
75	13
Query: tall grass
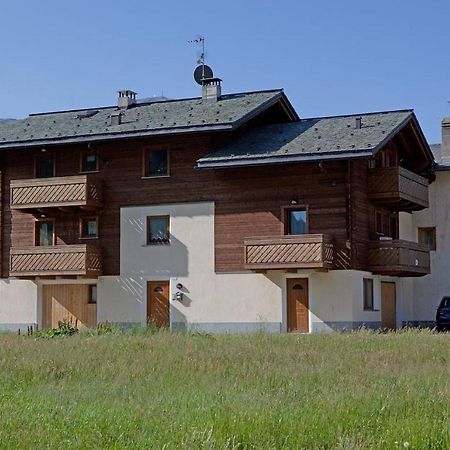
174	390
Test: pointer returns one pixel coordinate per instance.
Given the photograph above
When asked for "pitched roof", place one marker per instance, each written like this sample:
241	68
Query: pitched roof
310	139
162	117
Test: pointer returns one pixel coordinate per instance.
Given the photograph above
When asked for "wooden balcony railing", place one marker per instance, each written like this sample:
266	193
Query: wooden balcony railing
308	251
399	258
84	260
58	192
398	188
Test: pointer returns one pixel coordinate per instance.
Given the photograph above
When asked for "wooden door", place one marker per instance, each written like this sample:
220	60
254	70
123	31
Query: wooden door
388	305
68	302
158	303
297	305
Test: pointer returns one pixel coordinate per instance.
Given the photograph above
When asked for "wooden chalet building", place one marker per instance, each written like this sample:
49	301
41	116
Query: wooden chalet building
225	213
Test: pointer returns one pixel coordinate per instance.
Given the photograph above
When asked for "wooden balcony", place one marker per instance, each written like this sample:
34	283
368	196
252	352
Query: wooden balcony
83	260
308	251
59	192
397	188
399	258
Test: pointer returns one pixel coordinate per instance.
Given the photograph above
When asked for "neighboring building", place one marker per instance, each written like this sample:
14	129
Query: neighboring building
432	227
225	213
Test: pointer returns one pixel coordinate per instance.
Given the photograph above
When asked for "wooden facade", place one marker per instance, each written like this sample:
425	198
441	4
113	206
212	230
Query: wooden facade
249	205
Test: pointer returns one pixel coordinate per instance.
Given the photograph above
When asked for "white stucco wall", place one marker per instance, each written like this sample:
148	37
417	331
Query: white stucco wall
18	304
429	290
219	302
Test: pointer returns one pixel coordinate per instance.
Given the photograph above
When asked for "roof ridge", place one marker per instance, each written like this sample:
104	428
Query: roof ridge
137	105
360	114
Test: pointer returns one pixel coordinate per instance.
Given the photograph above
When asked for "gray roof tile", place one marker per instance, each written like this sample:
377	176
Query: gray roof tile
152	118
309	139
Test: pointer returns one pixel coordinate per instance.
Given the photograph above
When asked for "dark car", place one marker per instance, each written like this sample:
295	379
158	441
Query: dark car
443	314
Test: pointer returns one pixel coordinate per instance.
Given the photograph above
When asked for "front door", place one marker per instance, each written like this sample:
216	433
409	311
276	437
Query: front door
388	307
297	305
158	303
68	303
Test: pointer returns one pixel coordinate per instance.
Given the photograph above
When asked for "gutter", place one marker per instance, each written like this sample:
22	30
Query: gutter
259	161
116	136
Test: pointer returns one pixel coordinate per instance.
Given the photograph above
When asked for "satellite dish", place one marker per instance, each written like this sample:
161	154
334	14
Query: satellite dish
201	72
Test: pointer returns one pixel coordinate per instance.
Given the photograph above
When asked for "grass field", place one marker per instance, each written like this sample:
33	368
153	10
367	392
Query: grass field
163	390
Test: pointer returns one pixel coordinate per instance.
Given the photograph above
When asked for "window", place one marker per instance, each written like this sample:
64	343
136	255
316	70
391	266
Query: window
156	163
89	161
427	236
89	227
385	158
157	230
44	166
45	233
386	224
93	293
368	294
297	222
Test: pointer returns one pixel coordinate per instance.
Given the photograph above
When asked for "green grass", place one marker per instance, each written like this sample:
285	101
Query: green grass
163	390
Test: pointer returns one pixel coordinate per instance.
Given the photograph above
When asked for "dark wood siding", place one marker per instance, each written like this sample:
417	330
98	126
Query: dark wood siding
360	213
248	201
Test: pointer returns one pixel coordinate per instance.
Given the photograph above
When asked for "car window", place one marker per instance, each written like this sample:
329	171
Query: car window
445	303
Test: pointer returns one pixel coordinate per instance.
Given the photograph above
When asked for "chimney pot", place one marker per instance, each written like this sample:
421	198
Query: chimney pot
445	146
211	89
358	123
126	98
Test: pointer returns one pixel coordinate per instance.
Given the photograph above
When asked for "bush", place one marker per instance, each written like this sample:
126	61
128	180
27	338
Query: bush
65	328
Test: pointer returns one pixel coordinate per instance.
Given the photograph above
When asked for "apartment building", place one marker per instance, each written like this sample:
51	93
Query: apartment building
222	213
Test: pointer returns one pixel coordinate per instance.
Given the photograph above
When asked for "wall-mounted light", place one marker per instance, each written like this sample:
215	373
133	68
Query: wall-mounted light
43	150
293	202
179	286
42	216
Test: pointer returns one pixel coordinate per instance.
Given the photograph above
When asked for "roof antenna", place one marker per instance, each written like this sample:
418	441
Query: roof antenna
201	60
202	71
203	75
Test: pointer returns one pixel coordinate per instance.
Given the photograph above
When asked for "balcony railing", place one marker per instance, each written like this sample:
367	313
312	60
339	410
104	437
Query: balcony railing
399	258
58	192
84	260
308	251
398	188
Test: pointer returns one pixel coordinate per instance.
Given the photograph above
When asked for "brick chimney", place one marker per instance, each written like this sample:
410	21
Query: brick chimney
211	89
126	98
445	146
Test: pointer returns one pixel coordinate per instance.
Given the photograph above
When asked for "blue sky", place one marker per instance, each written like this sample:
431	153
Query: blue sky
331	57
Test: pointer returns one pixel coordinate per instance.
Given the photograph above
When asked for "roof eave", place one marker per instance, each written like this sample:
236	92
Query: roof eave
114	136
249	162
